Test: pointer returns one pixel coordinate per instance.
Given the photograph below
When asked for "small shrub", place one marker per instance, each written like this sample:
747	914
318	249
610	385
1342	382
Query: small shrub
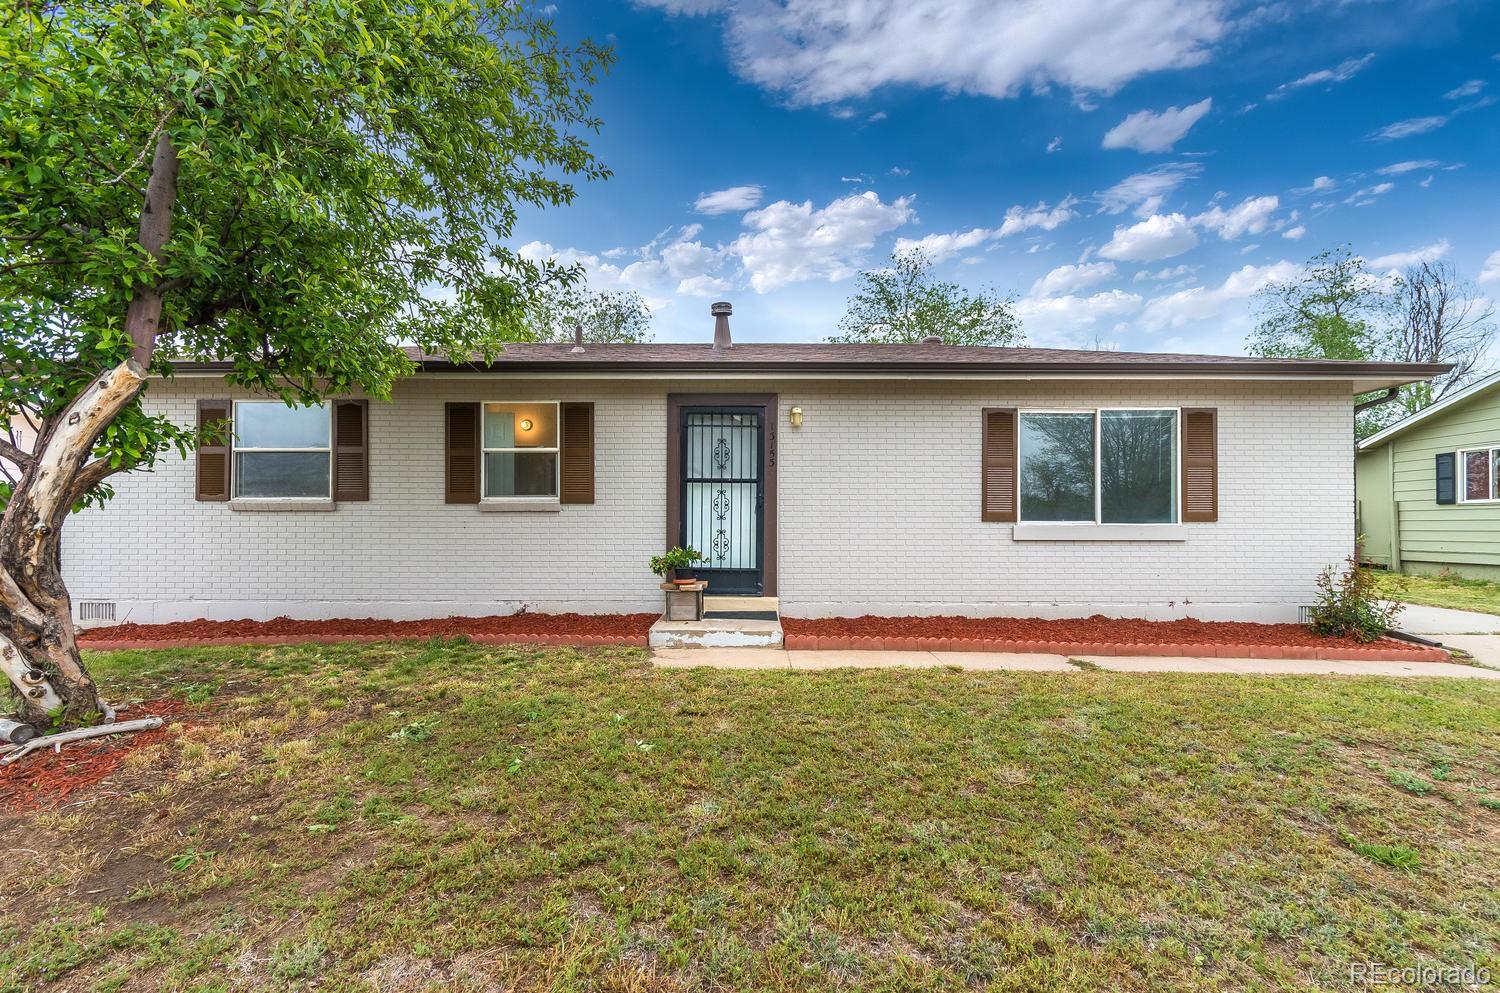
1349	605
1490	802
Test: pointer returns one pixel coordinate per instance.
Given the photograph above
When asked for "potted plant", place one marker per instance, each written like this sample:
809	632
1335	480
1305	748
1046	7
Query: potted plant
677	564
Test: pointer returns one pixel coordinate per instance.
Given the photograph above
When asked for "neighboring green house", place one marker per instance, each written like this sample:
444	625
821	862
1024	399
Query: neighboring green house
1429	487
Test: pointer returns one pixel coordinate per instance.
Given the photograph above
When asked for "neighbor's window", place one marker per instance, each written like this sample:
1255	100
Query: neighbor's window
1481	474
281	452
520	450
1099	467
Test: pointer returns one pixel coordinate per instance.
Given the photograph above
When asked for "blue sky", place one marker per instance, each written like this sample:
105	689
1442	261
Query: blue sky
1132	170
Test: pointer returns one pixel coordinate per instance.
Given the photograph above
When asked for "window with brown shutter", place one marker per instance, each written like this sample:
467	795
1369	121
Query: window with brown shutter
351	450
998	464
577	453
1200	465
213	450
461	452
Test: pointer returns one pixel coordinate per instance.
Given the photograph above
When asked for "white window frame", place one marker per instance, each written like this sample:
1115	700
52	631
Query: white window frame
555	449
1097	413
1462	473
235	449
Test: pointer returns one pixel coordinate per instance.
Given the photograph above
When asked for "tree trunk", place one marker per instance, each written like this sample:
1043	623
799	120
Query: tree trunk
36	613
38	642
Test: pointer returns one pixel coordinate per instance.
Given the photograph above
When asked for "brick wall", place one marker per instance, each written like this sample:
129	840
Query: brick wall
878	513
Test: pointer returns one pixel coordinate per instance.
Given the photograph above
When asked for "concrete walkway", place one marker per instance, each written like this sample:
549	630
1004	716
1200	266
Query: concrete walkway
1467	630
805	661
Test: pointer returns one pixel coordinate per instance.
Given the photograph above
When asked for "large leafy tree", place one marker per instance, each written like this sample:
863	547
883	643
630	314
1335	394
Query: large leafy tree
296	187
606	317
903	303
1337	309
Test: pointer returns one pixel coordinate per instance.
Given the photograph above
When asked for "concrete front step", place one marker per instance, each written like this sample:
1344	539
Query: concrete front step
715	632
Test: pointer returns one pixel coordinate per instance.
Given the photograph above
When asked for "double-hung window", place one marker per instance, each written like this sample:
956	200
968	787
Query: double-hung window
1110	466
520	451
1481	475
281	452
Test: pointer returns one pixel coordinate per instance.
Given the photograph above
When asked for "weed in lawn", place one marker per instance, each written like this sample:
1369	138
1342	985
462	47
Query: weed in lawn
296	960
1402	779
414	733
185	860
1395	856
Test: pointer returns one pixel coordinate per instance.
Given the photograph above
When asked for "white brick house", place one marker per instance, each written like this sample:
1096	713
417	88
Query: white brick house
845	479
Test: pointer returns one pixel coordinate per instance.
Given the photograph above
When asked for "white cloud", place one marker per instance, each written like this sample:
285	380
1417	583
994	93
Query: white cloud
1145	192
1340	73
1200	303
1400	260
1411	165
788	242
898	172
704	286
1057	320
1250	216
1054	145
1408	127
1365	196
728	201
1170	272
1319	185
1148	131
1294	234
939	247
1490	271
1041	217
826	51
1159	236
1468	89
1072	278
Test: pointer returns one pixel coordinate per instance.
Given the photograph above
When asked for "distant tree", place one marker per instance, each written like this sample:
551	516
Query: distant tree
1337	309
904	303
1440	317
1333	310
607	317
279	186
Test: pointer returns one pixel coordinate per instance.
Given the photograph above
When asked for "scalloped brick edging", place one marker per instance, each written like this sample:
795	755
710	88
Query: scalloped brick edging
1416	653
559	640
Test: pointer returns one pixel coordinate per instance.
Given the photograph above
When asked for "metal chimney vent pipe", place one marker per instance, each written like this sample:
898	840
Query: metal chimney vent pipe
721	312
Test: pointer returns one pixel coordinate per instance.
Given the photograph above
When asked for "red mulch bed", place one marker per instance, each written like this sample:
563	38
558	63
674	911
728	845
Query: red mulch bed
46	778
588	629
1096	635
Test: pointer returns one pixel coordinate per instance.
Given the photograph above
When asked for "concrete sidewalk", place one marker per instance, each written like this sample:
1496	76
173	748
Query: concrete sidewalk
806	661
1467	630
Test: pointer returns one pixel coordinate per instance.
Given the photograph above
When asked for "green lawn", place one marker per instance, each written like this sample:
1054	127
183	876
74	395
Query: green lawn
1440	591
440	816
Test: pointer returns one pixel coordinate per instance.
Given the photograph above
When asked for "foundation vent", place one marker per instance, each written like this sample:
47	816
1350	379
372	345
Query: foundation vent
1304	615
96	610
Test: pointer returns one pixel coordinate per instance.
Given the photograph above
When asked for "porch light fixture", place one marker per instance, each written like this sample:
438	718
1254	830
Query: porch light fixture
796	415
526	424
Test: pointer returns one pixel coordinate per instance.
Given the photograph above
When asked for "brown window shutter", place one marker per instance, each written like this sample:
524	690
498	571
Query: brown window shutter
351	450
213	454
461	452
577	453
1200	464
997	476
